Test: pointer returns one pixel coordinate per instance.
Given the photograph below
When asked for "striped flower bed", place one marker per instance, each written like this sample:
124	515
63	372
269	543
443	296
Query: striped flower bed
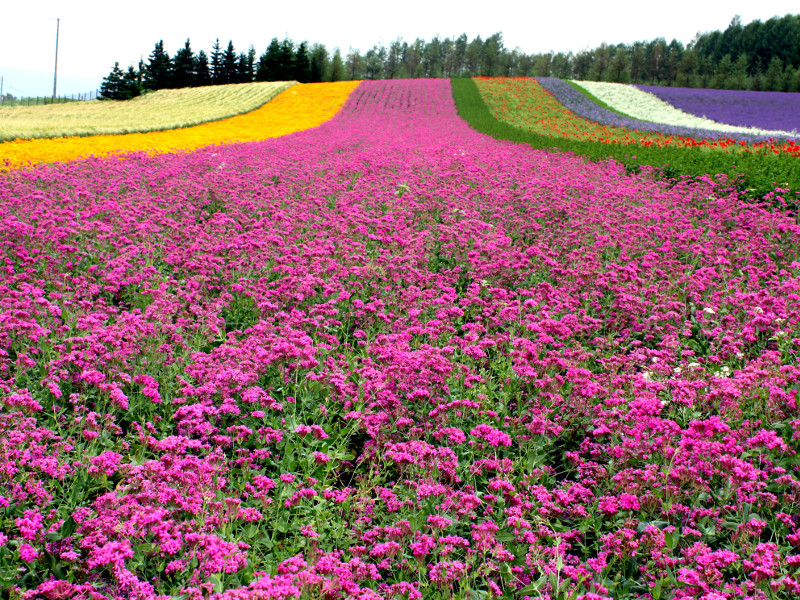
642	105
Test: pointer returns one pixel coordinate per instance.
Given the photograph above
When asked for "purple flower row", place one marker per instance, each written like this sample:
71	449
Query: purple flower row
745	108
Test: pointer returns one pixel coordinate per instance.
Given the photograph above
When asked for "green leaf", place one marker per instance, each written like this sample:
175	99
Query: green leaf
533	587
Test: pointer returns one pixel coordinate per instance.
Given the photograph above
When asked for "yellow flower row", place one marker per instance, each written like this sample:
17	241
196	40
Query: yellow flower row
300	107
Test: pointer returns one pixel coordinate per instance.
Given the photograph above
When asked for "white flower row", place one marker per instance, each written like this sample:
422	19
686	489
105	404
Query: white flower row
645	106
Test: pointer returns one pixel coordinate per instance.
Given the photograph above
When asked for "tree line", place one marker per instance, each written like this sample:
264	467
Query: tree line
281	61
756	56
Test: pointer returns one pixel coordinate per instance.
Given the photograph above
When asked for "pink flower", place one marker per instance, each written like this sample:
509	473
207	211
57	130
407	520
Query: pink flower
320	458
495	437
28	553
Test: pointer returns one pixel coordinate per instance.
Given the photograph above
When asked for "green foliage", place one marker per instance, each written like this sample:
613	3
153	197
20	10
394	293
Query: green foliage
158	71
184	67
756	175
119	85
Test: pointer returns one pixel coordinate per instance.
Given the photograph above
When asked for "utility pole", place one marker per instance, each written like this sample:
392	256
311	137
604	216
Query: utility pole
55	71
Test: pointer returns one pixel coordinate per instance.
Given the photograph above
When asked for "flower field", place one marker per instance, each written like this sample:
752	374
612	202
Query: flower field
392	357
766	110
586	106
164	109
640	104
302	106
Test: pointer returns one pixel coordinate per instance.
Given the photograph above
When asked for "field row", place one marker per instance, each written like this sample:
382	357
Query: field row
392	357
164	109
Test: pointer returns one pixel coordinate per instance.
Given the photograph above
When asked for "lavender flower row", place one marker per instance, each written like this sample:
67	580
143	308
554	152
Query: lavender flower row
745	108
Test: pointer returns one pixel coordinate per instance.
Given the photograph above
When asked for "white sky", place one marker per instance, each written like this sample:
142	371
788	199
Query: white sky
94	34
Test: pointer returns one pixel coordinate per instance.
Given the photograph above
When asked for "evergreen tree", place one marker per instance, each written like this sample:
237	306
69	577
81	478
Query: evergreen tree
302	64
229	65
320	63
687	69
773	78
723	73
249	73
241	69
794	85
158	71
119	85
337	66
788	79
738	78
131	84
286	60
492	51
202	69
110	88
216	63
269	62
184	67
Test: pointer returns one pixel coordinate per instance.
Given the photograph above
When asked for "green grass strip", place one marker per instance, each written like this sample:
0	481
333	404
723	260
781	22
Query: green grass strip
756	175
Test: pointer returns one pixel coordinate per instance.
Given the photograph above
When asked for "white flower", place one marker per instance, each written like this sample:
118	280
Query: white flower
709	311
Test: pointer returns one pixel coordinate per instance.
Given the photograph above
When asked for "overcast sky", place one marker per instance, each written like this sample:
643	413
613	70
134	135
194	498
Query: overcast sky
94	34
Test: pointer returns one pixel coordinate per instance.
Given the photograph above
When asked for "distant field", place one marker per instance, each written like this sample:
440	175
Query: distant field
164	109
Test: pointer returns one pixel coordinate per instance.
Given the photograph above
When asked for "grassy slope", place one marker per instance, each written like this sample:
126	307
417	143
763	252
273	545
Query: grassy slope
758	175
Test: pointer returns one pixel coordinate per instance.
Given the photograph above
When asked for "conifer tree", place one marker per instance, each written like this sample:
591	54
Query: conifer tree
216	63
119	85
302	64
158	71
269	62
337	66
320	64
184	67
246	66
202	70
112	84
286	60
229	64
131	84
